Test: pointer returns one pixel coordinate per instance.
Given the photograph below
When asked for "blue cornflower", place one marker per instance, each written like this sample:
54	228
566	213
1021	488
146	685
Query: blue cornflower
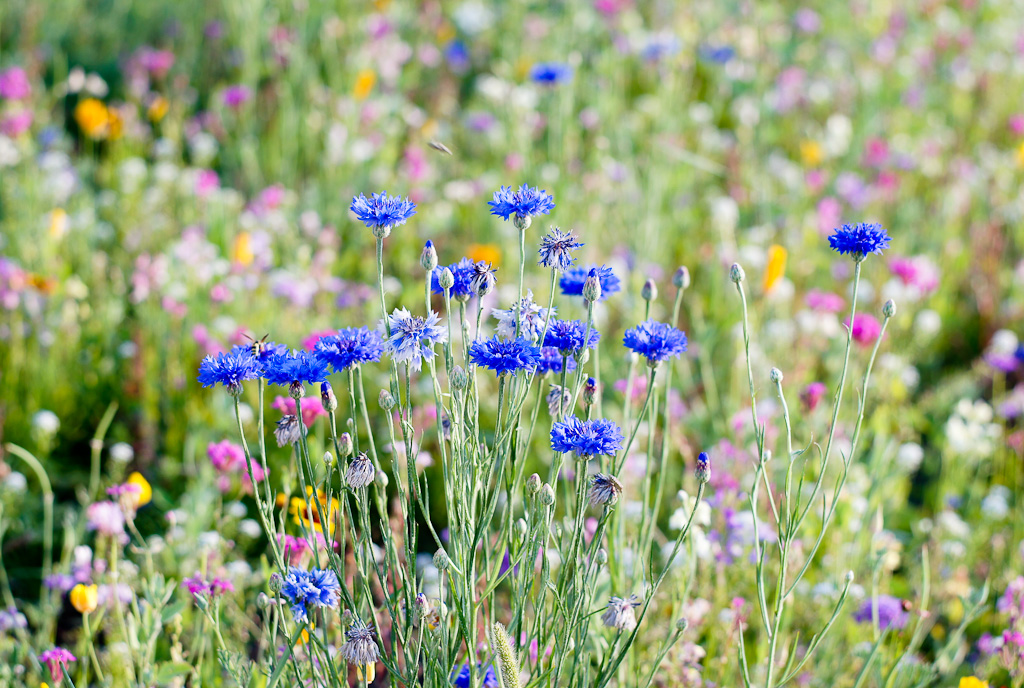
305	589
556	249
351	346
412	337
266	350
572	281
567	336
586	438
463	271
717	54
461	679
532	318
524	203
230	369
294	368
551	73
655	341
505	356
381	212
859	240
551	361
891	612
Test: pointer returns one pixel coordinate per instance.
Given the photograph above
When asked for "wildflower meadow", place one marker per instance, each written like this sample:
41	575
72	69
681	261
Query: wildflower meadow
585	344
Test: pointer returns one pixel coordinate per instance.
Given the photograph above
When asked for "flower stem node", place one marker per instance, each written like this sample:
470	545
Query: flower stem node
736	273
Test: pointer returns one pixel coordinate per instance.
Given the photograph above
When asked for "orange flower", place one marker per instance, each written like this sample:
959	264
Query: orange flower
489	253
84	598
776	266
365	81
93	118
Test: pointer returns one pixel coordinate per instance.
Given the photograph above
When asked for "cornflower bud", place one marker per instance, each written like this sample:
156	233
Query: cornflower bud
889	308
327	398
386	401
446	279
533	484
681	278
297	390
381	478
441	560
775	375
592	286
602	556
345	444
276	583
590	391
522	222
459	379
547	495
328	459
649	292
682	624
703	470
736	273
428	259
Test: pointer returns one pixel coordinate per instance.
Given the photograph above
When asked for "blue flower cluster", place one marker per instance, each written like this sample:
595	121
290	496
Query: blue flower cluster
526	202
462	678
586	438
572	281
551	73
551	361
567	336
230	369
463	271
557	248
859	240
505	356
382	210
655	341
302	367
351	346
412	337
306	589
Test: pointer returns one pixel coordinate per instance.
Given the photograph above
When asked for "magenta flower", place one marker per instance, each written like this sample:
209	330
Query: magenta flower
106	518
56	660
16	124
824	302
207	182
866	328
916	271
14	84
812	395
236	96
156	62
311	410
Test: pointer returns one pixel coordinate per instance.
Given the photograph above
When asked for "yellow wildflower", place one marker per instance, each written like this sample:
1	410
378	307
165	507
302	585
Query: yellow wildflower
58	223
972	682
366	674
157	109
84	598
1020	155
93	118
776	266
145	494
811	153
241	249
365	81
489	253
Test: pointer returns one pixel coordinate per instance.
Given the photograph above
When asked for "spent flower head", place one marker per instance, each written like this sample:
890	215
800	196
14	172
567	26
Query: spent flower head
620	613
557	249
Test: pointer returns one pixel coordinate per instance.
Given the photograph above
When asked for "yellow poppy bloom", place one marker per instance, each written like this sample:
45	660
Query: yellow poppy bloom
241	249
93	118
58	223
365	81
811	153
972	682
157	110
145	494
84	598
300	510
776	266
489	253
